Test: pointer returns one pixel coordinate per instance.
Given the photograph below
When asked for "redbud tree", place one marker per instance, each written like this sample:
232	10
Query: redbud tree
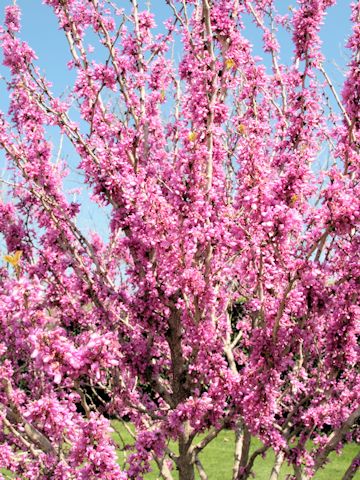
225	294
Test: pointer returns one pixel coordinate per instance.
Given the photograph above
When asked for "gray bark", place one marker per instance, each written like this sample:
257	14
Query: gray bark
279	459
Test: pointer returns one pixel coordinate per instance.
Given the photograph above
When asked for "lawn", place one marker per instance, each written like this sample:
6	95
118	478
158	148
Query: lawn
217	460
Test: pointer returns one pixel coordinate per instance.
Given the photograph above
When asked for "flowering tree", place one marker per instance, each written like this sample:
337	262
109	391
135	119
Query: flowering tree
226	294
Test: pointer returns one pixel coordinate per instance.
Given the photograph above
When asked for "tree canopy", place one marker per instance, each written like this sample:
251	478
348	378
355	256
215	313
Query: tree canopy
227	292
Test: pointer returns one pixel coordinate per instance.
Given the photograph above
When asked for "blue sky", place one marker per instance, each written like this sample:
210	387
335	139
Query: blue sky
40	29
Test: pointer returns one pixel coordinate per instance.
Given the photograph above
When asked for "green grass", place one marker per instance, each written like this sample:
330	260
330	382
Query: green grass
217	460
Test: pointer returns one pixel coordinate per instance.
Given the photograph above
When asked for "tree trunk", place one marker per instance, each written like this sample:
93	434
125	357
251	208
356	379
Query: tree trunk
239	447
186	460
186	467
238	450
279	459
244	441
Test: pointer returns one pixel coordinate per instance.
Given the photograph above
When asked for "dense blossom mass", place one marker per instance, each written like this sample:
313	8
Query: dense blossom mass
226	293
